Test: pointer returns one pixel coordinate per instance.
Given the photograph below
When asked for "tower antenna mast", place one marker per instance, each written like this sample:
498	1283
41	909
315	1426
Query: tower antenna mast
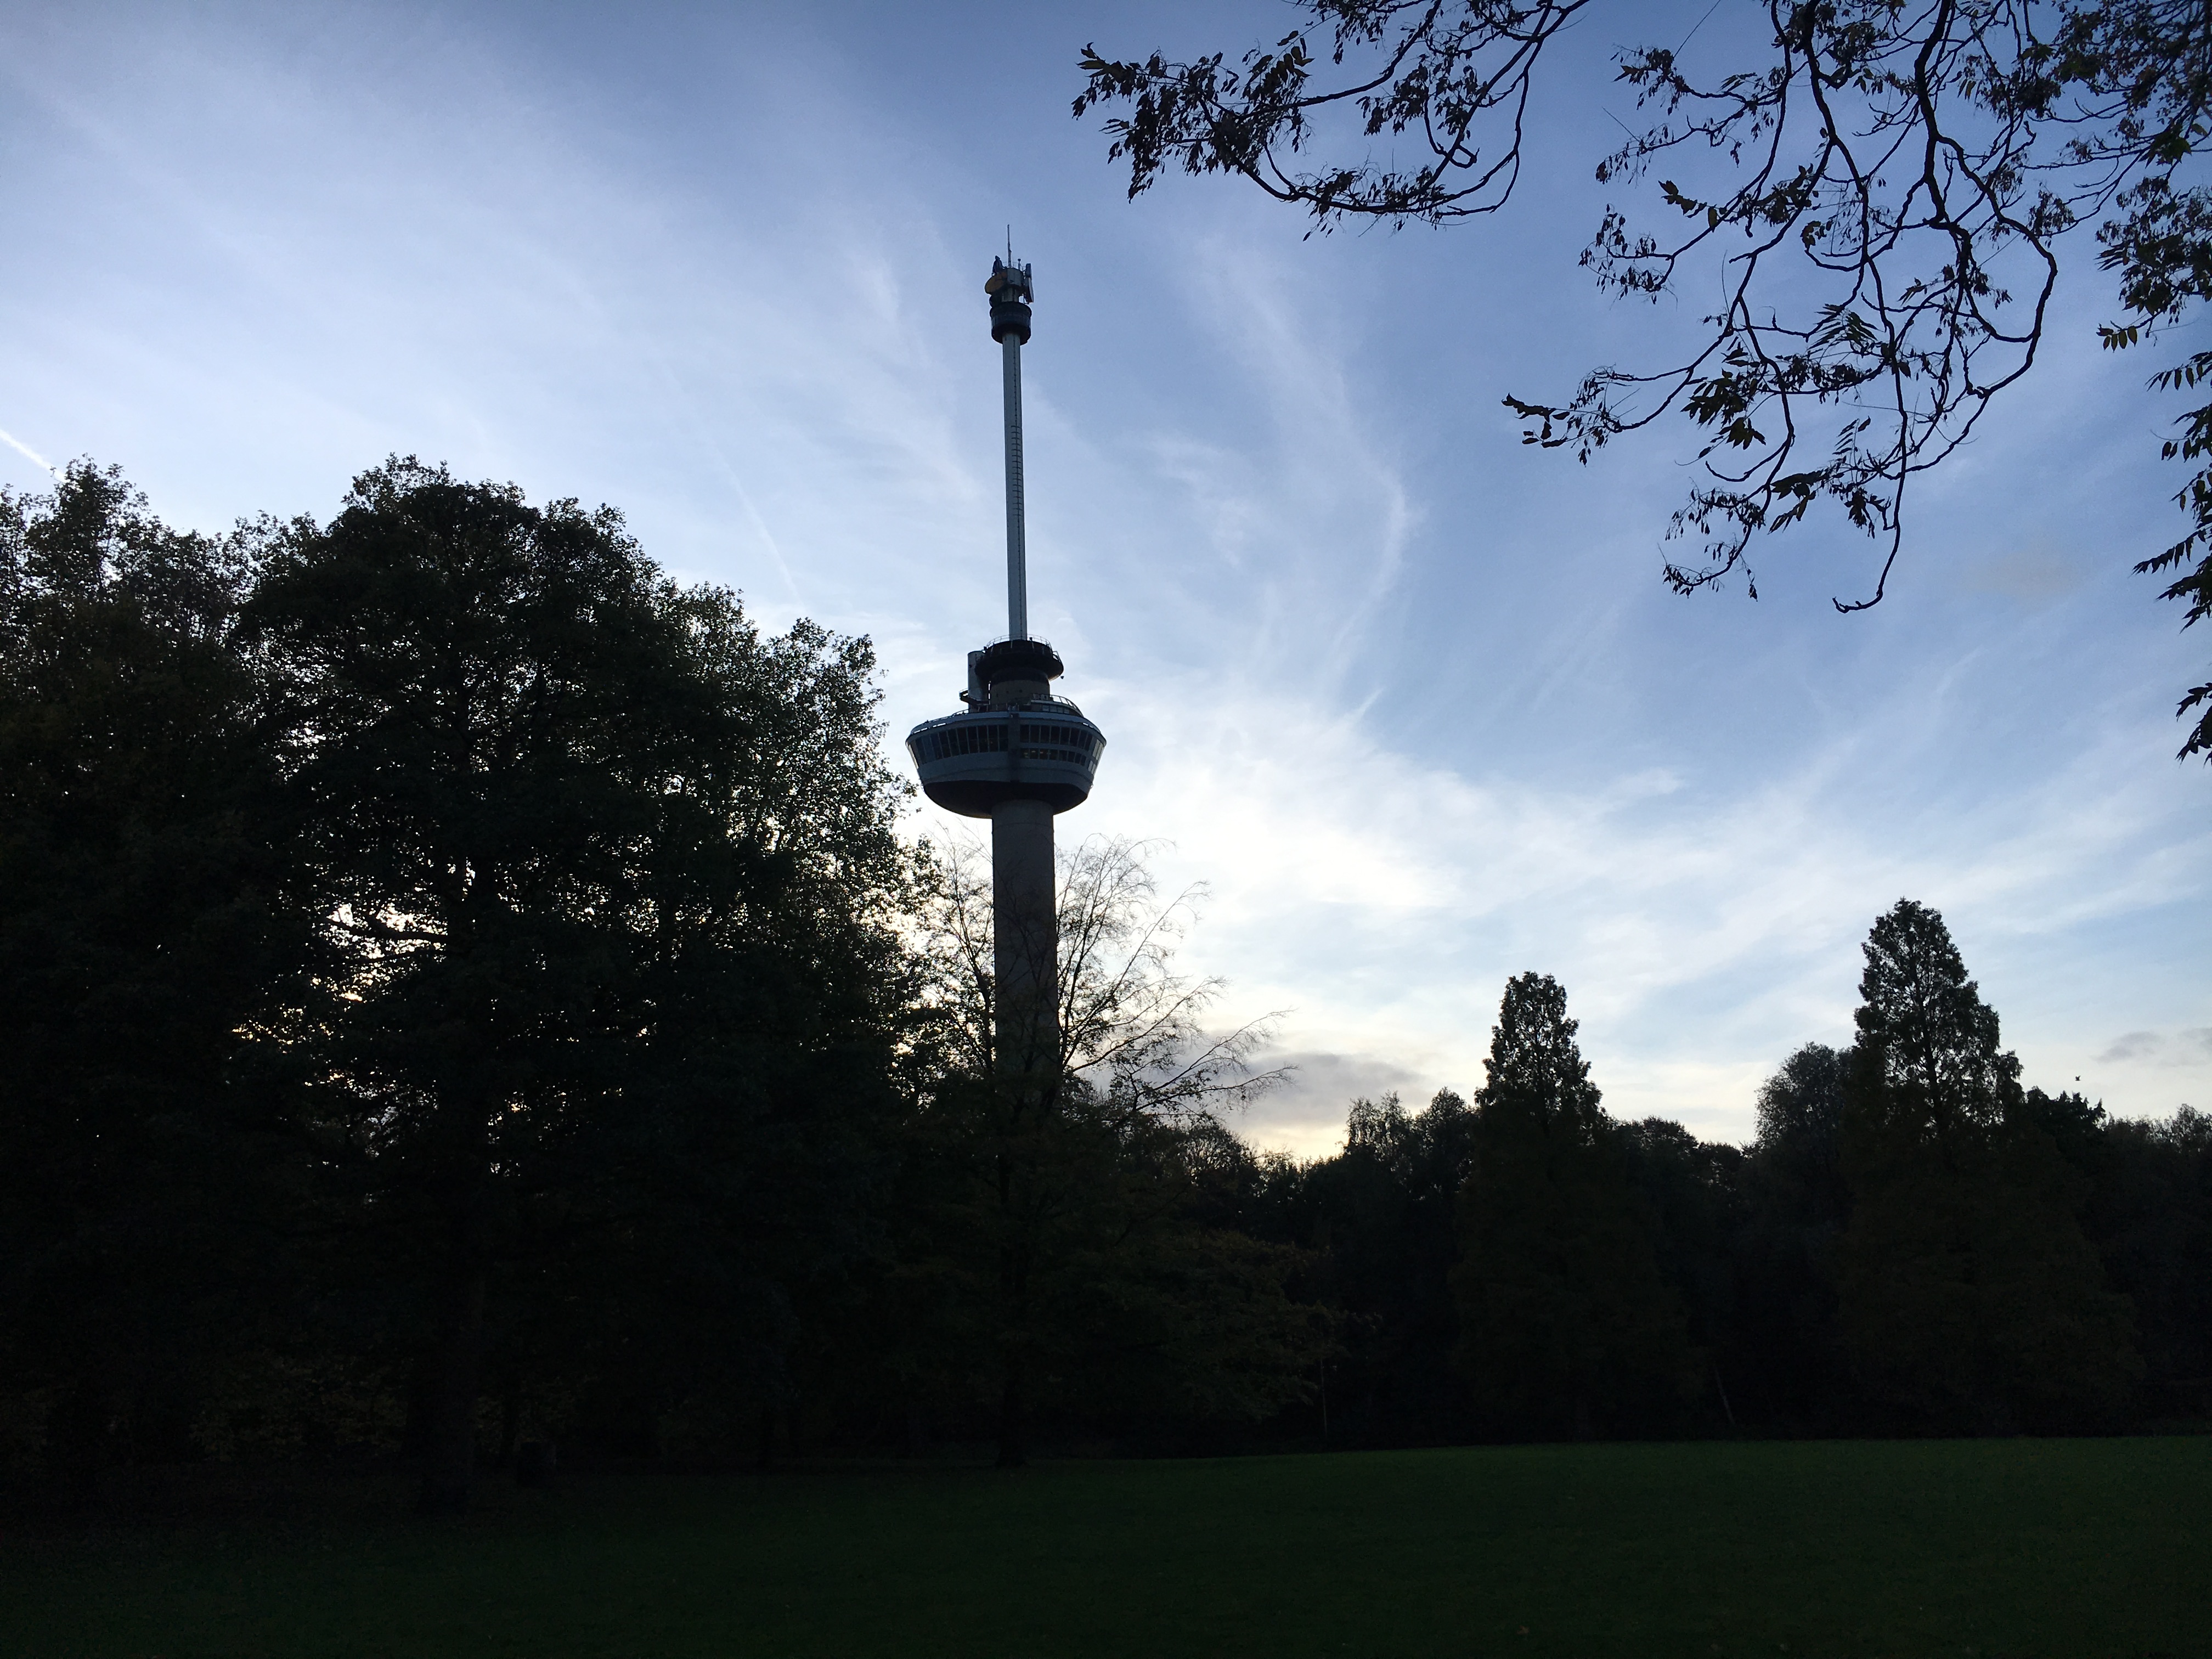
1013	292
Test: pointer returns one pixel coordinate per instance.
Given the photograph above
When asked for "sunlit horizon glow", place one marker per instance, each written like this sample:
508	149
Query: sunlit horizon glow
1406	698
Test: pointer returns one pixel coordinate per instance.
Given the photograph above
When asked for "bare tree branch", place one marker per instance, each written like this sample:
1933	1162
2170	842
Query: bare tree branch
1889	185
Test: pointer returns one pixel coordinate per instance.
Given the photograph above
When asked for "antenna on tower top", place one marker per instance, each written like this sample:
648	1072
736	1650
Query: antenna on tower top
1011	292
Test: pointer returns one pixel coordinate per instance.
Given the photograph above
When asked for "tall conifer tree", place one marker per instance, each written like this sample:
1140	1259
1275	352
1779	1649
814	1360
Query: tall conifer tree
1565	1327
1970	1301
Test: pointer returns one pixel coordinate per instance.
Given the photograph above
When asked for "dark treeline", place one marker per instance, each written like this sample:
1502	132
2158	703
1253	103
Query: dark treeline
462	992
1914	1243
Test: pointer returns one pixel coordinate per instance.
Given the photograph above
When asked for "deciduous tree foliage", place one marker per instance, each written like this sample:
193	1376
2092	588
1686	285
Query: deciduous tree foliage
608	876
1386	1216
1795	1202
153	972
2150	1214
1878	192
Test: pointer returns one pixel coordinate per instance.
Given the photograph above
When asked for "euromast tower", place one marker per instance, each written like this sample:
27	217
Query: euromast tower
1016	754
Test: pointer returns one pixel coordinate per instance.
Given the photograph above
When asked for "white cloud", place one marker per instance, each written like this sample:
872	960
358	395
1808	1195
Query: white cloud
1305	1114
2190	1048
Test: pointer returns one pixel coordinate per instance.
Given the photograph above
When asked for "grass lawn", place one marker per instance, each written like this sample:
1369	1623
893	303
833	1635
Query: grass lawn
2072	1549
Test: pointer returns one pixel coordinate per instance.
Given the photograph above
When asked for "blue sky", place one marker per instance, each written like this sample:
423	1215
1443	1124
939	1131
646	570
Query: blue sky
1407	698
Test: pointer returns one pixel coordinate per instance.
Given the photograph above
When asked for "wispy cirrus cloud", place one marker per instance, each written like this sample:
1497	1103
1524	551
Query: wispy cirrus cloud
1703	930
1398	692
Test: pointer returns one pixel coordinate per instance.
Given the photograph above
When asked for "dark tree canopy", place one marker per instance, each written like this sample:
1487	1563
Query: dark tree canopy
1880	189
1801	1107
153	968
609	873
1795	1202
1392	1206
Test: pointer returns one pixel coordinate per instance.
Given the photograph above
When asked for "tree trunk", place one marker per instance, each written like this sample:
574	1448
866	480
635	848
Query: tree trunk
451	1474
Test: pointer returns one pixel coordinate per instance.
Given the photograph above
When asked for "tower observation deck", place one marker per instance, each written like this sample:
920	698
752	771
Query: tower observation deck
1015	753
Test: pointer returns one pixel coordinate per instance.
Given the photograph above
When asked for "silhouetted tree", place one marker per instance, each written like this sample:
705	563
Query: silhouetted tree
758	1134
1797	1203
1970	1298
1565	1327
1689	1196
151	973
1383	1215
609	888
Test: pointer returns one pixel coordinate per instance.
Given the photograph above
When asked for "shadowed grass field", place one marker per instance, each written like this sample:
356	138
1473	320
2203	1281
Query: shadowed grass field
2072	1549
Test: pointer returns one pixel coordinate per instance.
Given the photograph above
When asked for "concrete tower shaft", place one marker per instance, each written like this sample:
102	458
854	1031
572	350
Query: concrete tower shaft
1026	940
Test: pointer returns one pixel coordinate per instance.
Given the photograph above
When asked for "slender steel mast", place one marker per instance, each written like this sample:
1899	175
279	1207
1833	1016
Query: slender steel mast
1014	293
